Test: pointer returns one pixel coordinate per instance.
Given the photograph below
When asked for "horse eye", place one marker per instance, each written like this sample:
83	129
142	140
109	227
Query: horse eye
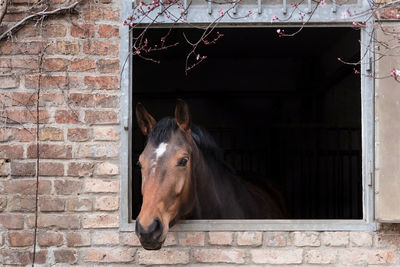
138	164
182	162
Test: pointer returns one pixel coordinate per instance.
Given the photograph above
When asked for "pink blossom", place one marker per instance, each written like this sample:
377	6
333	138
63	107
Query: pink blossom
395	73
274	17
355	23
221	12
322	3
198	56
344	15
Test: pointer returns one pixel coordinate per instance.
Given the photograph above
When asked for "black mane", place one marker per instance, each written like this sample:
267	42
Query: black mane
205	142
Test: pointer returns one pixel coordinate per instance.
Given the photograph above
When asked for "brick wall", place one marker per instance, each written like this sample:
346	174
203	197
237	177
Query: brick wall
79	168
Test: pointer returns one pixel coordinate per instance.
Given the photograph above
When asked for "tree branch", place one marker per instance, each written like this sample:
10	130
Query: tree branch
42	13
3	9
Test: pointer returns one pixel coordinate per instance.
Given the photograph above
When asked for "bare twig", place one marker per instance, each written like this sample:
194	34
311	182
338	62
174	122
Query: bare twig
41	55
42	13
3	9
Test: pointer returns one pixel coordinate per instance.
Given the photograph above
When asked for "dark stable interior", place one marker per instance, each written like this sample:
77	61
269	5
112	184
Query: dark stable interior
281	108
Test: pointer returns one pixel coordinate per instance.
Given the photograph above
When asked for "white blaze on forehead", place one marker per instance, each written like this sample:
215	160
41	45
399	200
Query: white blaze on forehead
161	150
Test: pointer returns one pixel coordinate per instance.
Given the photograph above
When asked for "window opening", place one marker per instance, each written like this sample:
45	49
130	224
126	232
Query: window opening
283	109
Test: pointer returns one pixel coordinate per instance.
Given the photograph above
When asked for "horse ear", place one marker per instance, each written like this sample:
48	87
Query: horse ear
182	115
145	120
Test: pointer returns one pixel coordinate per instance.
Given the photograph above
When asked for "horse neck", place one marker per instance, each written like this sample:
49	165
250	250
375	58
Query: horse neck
209	180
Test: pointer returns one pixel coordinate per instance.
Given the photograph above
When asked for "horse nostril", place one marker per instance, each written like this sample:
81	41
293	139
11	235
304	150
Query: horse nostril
138	228
158	228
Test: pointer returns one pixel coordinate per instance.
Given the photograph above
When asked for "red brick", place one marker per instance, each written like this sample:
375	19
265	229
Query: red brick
13	16
106	169
366	257
105	238
100	117
12	221
78	239
219	255
98	221
20	238
25	1
65	256
249	238
107	101
108	31
103	48
305	239
108	65
81	100
106	203
47	151
66	116
23	168
56	221
23	99
97	13
105	134
49	239
3	206
54	30
100	186
5	65
335	239
96	151
387	240
9	81
22	48
165	256
220	238
321	256
51	204
82	30
80	169
67	187
27	31
51	82
276	239
24	134
78	134
22	257
20	116
191	239
11	151
51	134
102	83
277	256
362	239
78	204
109	255
83	64
67	47
55	64
26	187
25	64
130	239
22	203
52	99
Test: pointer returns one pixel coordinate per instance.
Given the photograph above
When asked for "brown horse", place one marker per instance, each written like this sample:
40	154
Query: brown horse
184	177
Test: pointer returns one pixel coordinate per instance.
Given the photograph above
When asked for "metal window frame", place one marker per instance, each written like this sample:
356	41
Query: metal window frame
367	113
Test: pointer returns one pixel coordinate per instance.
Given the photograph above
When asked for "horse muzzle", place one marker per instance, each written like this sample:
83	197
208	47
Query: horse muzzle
149	237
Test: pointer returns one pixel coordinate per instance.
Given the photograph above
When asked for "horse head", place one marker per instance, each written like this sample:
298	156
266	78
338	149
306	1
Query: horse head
166	166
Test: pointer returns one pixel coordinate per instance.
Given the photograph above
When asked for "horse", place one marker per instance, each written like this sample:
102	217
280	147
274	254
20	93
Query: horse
184	176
